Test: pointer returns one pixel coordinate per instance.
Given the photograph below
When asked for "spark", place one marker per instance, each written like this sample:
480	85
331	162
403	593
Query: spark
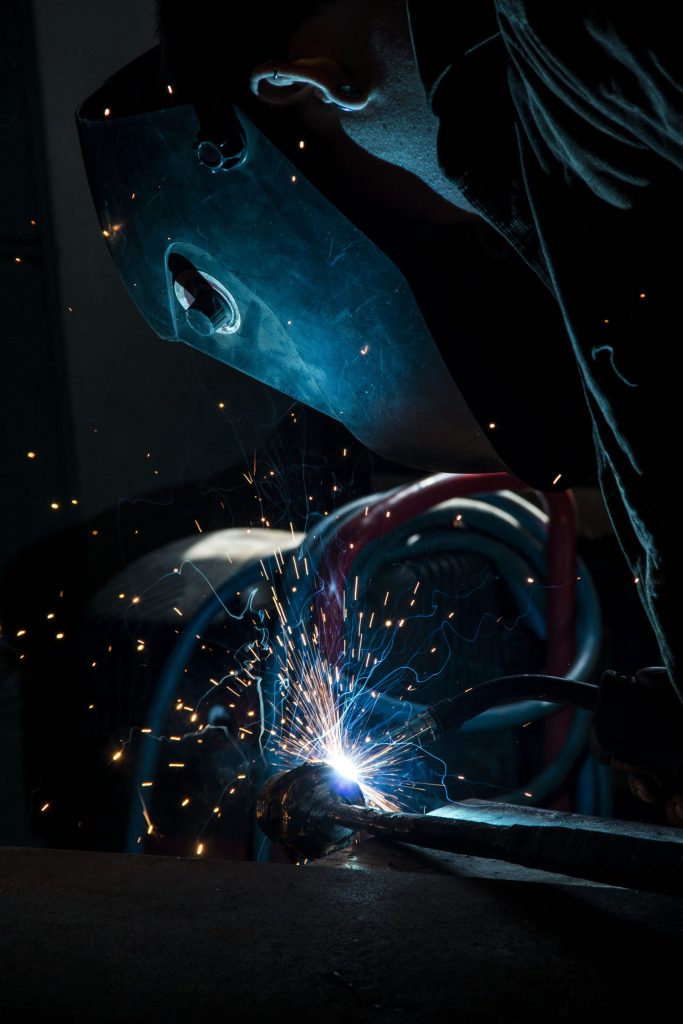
323	717
146	816
324	703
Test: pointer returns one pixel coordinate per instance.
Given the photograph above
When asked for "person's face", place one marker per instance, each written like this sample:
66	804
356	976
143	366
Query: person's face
352	76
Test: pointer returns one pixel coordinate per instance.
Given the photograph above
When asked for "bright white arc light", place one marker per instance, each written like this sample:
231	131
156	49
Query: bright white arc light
345	767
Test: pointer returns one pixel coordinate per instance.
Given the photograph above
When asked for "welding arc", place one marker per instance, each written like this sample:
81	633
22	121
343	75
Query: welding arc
452	712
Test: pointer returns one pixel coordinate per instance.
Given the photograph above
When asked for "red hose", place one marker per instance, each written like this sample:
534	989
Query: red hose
404	504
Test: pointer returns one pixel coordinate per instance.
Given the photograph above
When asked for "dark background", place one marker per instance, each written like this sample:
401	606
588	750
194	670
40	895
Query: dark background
115	416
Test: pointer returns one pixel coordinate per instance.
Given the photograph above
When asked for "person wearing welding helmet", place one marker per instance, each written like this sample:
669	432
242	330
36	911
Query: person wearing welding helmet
558	128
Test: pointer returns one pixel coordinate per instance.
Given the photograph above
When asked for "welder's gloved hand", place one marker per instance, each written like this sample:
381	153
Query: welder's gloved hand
638	728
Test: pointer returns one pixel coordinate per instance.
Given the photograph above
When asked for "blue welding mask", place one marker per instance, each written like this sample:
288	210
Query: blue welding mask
237	237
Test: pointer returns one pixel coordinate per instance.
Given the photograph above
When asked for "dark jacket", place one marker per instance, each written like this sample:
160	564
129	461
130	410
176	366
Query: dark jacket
563	125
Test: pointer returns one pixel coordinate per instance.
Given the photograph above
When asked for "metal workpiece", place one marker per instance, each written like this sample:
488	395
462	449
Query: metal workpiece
293	809
311	810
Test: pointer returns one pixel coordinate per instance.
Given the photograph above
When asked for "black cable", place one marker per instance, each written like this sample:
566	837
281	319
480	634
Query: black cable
452	712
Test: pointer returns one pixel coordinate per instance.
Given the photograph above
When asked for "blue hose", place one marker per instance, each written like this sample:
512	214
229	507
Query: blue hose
167	689
512	534
247	579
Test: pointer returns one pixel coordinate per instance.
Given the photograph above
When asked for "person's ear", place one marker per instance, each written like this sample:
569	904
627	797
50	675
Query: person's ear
281	82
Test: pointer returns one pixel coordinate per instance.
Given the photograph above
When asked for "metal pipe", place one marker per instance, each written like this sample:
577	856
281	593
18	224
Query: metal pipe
312	811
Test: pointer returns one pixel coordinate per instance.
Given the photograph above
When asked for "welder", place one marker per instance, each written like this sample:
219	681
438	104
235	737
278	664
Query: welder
554	129
446	229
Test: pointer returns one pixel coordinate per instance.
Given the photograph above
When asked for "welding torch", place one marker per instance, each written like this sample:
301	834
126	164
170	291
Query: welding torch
636	728
451	713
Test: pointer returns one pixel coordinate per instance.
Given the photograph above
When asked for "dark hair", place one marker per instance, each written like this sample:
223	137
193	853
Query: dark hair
221	41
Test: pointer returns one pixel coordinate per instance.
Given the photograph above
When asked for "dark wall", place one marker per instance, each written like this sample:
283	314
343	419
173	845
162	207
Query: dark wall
130	393
111	415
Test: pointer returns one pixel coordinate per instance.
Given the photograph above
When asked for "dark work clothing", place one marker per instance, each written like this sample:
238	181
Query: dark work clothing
562	123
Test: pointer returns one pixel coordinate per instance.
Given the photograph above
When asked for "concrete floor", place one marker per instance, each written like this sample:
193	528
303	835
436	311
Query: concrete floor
109	937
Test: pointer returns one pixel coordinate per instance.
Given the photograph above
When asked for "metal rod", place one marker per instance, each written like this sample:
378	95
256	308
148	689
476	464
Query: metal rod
313	812
611	852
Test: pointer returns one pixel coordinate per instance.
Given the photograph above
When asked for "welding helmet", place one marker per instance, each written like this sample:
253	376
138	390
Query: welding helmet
236	237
